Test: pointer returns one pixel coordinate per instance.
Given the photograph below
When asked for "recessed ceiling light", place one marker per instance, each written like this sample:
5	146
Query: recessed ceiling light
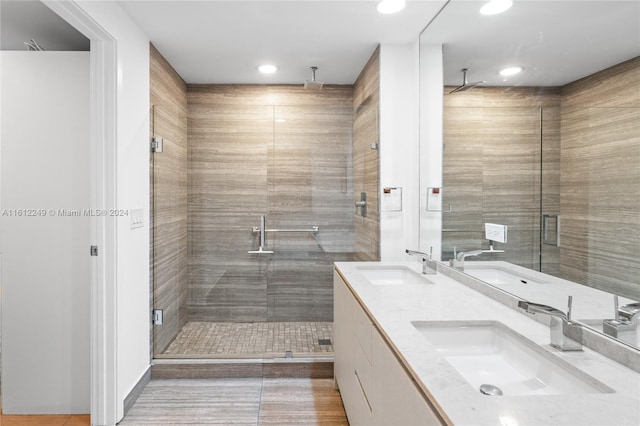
391	6
496	6
506	72
267	69
280	120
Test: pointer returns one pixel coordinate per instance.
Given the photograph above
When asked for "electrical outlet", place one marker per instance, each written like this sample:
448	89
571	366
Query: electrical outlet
495	232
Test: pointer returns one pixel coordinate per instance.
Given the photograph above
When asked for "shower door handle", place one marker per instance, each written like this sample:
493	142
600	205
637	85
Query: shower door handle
551	221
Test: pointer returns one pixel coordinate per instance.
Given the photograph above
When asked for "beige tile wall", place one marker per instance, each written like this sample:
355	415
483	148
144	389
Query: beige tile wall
366	162
601	180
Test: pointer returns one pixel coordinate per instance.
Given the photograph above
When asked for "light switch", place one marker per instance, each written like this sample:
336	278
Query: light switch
137	218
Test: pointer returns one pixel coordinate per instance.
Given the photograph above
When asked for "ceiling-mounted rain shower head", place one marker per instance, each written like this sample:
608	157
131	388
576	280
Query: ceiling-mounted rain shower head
312	84
465	85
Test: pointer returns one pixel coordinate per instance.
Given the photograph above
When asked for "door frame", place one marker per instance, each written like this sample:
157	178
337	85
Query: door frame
103	173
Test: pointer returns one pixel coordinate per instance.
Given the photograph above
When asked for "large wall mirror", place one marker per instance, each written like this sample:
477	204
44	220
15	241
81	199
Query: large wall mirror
552	152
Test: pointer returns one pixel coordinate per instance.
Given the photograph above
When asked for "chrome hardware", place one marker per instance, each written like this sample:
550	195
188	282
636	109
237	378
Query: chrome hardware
458	262
362	204
314	230
262	230
624	326
566	335
157	144
426	269
157	317
546	239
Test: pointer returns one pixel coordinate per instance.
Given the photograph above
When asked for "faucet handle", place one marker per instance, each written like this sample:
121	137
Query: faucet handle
569	305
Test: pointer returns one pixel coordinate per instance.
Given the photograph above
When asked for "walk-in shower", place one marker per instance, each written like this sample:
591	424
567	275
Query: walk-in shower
269	208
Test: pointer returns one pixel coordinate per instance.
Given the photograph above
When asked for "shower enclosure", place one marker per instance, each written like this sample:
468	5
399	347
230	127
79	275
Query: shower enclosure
264	170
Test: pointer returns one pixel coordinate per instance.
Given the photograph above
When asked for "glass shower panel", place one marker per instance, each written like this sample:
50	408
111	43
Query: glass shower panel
600	197
169	223
290	164
492	174
229	155
550	189
310	184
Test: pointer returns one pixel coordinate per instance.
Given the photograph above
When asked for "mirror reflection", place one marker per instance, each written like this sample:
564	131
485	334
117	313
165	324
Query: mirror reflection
549	149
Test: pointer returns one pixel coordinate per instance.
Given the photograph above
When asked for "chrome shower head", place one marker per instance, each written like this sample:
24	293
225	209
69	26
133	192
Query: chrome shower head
465	84
312	84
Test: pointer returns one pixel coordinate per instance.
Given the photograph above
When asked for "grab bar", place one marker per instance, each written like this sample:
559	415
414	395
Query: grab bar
313	230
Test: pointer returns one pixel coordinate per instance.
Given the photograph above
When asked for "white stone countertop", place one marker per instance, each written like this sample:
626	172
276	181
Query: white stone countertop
392	309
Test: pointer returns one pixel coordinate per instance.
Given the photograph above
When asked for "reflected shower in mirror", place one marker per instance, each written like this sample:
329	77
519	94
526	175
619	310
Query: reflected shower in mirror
553	151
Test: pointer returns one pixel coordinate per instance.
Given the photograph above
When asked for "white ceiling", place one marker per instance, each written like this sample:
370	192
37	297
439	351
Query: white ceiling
224	41
557	42
212	41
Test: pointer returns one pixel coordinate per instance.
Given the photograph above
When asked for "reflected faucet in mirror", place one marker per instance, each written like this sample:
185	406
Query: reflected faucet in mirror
625	324
458	262
566	335
426	269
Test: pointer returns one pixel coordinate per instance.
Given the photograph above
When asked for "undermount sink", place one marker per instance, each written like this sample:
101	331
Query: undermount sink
489	354
392	275
497	275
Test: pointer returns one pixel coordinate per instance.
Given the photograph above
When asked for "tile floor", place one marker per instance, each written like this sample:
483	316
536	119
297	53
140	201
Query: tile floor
251	340
252	401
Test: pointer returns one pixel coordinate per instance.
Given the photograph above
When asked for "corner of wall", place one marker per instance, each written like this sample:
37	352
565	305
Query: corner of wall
399	147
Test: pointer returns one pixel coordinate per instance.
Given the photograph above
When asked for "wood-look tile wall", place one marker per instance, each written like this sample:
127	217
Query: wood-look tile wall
366	162
492	141
168	220
245	161
600	180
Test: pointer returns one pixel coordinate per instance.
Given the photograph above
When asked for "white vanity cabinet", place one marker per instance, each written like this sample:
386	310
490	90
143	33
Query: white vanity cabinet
375	388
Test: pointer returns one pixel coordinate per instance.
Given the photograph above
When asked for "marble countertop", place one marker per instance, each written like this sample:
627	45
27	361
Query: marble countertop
393	307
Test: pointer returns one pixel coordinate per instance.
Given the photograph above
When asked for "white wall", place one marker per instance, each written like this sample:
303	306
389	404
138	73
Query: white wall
45	254
431	110
399	147
132	277
131	316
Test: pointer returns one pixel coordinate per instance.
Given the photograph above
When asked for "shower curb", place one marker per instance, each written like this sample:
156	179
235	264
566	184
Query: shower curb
242	368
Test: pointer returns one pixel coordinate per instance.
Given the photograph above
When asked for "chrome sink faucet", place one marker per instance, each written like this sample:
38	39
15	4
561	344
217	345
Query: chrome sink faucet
426	269
566	335
458	262
625	324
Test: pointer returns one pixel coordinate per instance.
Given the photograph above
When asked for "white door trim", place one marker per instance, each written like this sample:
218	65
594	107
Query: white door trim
103	81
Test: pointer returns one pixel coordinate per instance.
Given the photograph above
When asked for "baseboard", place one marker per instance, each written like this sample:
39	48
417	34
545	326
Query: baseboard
132	397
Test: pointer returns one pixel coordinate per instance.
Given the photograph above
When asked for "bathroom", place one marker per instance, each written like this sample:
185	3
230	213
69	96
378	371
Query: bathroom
186	264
